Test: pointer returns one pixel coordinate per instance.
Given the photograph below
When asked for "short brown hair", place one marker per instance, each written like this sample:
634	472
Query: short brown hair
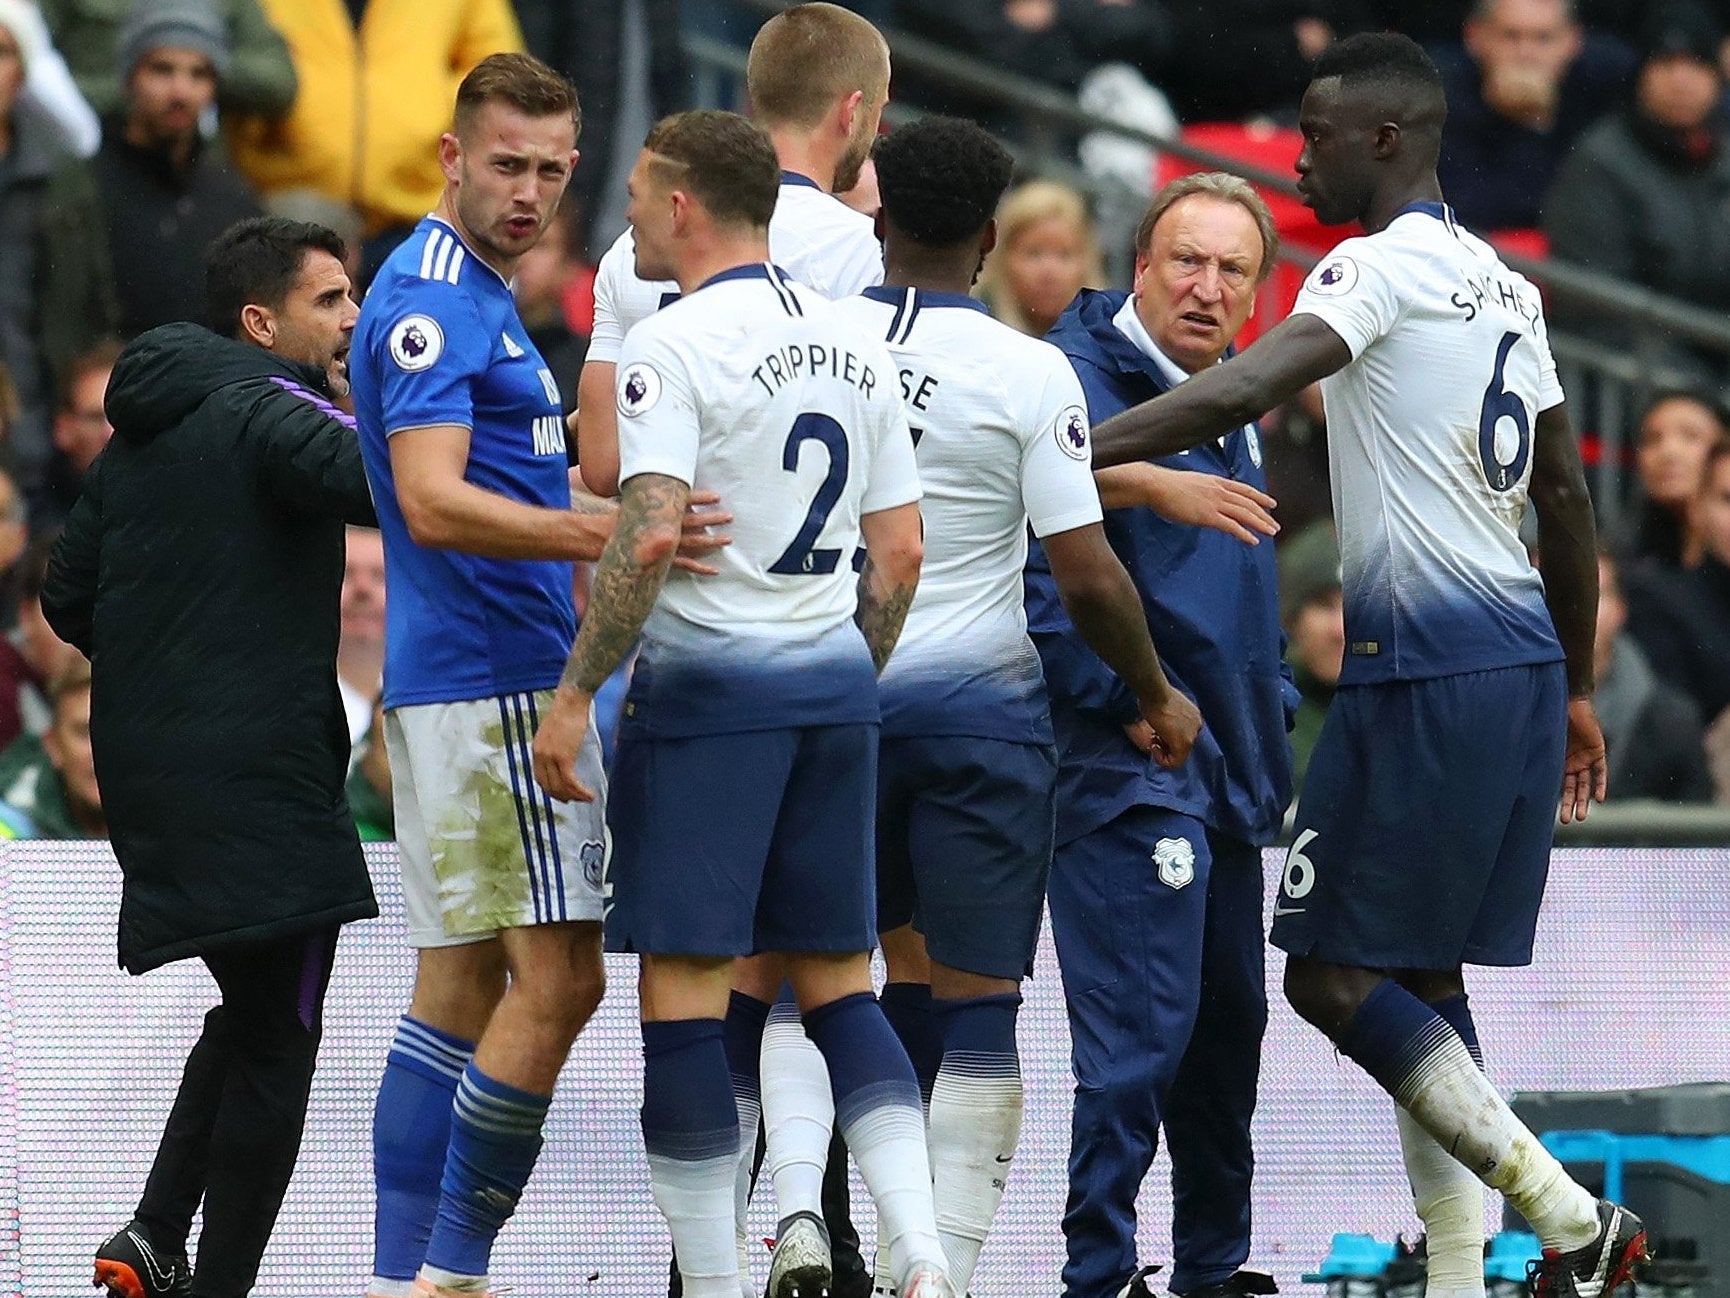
1225	187
724	160
807	57
523	82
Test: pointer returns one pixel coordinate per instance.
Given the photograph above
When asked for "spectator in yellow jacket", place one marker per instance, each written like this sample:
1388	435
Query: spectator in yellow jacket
374	98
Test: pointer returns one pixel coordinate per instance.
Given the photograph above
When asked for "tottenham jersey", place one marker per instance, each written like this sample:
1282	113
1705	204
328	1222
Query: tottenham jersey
813	236
755	388
439	342
1000	428
1430	449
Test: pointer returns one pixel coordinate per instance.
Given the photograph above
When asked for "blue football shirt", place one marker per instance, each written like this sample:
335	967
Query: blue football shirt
439	342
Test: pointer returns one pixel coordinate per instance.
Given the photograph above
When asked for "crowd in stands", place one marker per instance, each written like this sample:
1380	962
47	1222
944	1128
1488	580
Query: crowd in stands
133	131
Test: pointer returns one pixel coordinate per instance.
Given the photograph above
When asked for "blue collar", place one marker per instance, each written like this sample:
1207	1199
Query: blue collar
894	293
1429	207
751	270
795	178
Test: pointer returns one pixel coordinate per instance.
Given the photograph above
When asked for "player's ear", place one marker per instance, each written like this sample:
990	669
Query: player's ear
258	324
450	155
880	226
1387	141
989	240
851	106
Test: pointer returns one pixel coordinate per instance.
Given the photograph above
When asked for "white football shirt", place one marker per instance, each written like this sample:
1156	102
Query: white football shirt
1430	448
754	387
813	236
1000	428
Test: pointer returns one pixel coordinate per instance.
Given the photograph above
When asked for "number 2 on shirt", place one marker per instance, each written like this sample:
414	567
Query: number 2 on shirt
800	559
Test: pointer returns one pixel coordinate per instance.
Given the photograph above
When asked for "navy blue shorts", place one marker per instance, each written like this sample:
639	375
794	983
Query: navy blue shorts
965	829
732	844
1423	835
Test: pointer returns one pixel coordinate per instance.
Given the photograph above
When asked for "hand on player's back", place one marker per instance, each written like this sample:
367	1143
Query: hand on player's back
1585	769
1166	731
696	540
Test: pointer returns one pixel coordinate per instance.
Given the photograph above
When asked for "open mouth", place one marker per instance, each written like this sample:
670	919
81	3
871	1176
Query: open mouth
1199	320
522	226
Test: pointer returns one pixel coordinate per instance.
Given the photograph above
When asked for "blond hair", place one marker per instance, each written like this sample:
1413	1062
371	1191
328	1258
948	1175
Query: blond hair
807	57
1022	208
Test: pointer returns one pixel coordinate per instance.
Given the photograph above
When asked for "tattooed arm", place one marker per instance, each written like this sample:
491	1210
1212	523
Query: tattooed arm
894	548
632	570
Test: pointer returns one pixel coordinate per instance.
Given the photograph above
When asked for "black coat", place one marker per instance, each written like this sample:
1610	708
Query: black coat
1682	620
201	571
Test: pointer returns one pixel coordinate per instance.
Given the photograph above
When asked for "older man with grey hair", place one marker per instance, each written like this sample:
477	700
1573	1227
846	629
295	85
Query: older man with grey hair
1156	885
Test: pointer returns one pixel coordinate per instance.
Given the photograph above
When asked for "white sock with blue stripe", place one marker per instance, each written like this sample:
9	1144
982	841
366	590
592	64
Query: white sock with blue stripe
1422	1062
691	1133
976	1106
878	1109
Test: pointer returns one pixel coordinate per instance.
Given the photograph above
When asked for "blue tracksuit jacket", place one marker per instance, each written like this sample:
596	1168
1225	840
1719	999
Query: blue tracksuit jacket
1212	606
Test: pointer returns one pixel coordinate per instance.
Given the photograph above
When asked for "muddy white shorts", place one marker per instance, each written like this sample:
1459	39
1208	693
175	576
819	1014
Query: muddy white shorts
483	847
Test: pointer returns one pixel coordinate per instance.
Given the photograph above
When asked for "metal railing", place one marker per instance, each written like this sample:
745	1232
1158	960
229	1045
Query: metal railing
1607	387
1612	382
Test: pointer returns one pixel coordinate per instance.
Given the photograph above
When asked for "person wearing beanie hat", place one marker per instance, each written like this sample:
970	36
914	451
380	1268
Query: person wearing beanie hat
1643	194
260	78
178	24
166	191
1312	612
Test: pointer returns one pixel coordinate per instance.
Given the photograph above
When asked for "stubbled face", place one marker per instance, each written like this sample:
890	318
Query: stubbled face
650	213
866	122
1195	282
1318	637
316	319
1044	266
1674	438
81	427
167	92
1334	167
507	171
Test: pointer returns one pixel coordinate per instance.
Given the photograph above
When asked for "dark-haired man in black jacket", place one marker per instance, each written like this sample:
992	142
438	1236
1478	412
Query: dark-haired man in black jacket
200	571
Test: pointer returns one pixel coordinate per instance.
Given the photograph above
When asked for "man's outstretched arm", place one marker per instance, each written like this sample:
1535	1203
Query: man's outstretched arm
1293	354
